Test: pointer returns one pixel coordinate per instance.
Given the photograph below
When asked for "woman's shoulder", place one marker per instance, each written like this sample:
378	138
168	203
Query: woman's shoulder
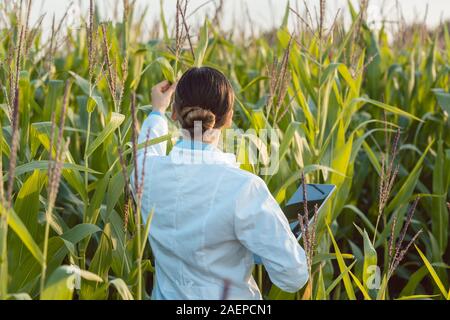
244	178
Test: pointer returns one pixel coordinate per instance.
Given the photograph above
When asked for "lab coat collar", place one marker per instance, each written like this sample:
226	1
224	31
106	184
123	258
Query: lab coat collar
184	153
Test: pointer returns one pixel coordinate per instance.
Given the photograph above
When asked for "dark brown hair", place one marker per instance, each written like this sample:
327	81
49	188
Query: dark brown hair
205	95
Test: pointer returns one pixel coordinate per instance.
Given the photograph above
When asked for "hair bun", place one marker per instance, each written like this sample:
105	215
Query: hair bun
190	115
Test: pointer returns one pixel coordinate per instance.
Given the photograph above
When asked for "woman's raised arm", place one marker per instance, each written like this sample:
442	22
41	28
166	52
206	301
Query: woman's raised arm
155	125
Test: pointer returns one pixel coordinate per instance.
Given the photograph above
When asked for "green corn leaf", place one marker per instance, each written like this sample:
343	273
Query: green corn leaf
342	266
122	289
80	232
166	69
55	90
16	224
97	200
42	165
439	210
443	99
82	83
388	108
360	286
162	17
100	265
321	257
284	24
433	273
64	280
345	73
370	258
41	131
321	290
26	207
60	284
146	232
114	123
202	46
402	196
115	189
276	293
253	82
339	278
414	281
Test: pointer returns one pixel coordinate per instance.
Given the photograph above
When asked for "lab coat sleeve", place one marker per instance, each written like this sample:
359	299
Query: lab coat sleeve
261	226
157	124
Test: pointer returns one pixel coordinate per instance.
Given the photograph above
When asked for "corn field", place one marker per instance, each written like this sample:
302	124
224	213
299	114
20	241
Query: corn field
363	108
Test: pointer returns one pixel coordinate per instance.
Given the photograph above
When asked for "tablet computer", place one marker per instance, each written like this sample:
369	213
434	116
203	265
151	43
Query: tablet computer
316	194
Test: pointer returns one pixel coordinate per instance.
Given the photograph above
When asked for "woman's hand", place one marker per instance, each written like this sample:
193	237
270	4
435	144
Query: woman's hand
161	95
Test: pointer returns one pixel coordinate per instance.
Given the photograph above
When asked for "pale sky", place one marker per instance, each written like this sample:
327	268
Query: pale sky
264	13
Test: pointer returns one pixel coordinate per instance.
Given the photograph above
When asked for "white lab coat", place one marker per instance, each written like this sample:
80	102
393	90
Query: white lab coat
210	218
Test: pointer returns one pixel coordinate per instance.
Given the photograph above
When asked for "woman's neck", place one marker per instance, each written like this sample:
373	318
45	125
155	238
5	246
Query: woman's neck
211	137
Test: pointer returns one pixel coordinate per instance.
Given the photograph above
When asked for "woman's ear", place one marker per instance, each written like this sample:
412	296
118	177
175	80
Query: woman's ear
174	114
229	122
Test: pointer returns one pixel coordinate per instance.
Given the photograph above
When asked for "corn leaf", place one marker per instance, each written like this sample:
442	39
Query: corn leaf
342	266
115	121
202	45
16	224
433	273
60	284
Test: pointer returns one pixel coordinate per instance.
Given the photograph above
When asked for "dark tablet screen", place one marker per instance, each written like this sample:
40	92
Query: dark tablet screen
316	194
